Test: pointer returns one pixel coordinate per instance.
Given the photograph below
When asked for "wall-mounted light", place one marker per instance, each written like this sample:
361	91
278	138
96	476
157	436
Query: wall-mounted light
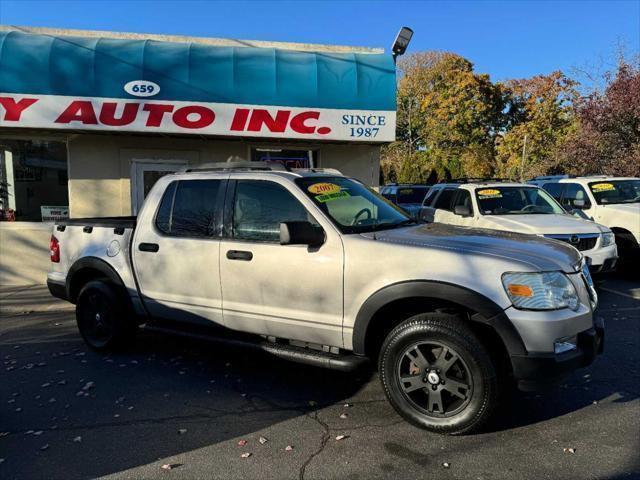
401	42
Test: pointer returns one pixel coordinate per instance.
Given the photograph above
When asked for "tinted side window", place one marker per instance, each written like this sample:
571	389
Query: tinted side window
430	196
555	189
163	217
188	208
444	200
260	207
573	192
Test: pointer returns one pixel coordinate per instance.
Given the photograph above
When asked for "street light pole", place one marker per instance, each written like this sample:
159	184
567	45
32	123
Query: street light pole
524	156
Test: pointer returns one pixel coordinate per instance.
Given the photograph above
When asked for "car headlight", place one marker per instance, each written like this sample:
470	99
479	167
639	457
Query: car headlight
608	238
540	291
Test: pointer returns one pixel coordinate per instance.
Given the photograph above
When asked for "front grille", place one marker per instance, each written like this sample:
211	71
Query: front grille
581	242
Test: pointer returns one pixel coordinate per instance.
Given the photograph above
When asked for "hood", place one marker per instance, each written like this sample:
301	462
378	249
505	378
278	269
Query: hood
540	224
544	254
625	215
411	208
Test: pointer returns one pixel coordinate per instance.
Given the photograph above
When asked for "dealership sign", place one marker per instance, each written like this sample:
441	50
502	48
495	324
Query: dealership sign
144	114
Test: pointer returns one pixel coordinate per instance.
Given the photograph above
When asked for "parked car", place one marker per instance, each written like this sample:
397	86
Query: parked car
610	201
407	196
521	208
316	267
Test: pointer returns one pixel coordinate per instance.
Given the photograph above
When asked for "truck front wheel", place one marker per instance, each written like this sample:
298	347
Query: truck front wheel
437	374
102	317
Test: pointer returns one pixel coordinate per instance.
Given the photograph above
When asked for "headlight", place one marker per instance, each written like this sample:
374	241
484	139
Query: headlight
540	291
608	238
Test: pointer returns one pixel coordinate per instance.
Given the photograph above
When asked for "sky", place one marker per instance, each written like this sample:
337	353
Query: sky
506	39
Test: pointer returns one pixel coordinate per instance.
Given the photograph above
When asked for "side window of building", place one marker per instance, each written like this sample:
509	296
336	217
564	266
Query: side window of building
189	208
575	196
33	180
260	207
463	199
554	189
444	200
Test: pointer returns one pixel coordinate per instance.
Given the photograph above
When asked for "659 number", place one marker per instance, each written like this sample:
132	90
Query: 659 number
142	88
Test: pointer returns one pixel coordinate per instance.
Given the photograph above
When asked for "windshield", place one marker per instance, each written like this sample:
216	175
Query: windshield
352	206
411	194
516	201
616	191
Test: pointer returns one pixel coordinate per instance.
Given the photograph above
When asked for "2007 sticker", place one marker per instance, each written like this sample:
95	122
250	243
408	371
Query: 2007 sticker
489	193
602	187
324	188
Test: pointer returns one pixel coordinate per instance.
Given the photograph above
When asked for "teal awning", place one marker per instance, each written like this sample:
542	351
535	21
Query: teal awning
100	67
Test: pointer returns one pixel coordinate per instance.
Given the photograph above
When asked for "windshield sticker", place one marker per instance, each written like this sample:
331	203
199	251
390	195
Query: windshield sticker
489	193
324	188
332	196
603	187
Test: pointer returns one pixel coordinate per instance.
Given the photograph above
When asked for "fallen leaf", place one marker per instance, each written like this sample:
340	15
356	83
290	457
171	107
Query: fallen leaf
4	434
77	439
569	450
182	431
347	405
313	403
343	415
242	443
341	437
18	409
245	455
44	447
88	386
38	433
263	440
288	448
446	465
167	466
45	385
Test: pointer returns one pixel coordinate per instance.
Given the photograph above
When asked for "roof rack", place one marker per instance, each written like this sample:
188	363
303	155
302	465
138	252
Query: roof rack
334	171
475	180
236	166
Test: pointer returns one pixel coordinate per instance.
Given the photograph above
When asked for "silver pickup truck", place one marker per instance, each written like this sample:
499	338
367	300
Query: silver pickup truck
316	267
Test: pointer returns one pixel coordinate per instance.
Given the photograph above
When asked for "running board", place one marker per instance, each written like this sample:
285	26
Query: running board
340	362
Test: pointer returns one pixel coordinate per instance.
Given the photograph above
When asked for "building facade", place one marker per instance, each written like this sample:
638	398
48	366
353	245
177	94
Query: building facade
90	120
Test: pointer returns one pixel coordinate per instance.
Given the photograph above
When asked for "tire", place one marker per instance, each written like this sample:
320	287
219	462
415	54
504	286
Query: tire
454	393
103	317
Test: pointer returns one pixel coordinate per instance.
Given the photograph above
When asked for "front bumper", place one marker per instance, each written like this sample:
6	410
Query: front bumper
601	259
544	370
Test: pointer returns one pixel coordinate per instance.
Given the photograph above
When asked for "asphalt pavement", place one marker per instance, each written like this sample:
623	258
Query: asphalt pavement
67	412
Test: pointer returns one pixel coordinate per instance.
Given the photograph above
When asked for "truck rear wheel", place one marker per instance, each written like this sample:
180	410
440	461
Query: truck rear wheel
437	374
103	318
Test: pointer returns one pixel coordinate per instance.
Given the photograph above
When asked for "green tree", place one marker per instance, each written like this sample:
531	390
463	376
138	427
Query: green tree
542	114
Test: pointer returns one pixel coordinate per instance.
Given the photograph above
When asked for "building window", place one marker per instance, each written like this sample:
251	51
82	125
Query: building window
33	180
288	157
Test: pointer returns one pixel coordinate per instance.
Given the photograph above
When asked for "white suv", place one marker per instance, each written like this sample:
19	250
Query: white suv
520	208
611	201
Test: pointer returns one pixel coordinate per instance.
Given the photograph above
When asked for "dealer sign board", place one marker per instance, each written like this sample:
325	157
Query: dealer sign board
114	84
146	115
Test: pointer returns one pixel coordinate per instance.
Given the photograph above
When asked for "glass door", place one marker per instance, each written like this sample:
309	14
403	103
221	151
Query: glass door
144	175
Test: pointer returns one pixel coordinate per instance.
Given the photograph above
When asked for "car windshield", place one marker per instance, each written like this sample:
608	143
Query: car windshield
616	191
516	201
411	194
352	206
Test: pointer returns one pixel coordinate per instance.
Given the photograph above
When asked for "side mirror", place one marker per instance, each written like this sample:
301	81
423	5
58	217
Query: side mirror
301	233
462	210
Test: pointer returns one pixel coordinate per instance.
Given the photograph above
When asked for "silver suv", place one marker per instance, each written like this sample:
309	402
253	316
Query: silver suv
316	267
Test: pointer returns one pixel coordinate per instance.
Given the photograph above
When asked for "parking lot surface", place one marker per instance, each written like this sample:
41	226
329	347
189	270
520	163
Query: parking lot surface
67	412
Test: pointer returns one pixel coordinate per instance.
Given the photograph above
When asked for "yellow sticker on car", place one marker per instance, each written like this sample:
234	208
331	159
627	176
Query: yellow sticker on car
489	193
331	196
324	188
603	187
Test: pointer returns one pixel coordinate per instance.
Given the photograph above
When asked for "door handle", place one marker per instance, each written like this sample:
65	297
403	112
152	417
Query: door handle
239	255
148	247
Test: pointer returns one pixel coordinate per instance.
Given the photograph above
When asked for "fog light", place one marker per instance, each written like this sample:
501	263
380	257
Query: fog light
563	345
